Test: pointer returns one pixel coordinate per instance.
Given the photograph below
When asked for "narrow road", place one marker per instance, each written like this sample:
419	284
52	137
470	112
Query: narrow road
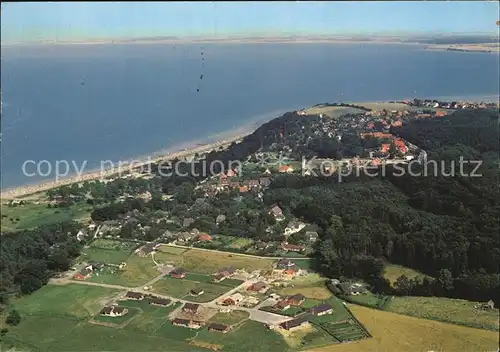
233	254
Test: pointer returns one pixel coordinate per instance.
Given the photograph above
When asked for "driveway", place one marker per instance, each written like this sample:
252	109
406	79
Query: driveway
266	317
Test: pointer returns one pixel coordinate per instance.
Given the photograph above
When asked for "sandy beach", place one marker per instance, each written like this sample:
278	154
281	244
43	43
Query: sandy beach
182	151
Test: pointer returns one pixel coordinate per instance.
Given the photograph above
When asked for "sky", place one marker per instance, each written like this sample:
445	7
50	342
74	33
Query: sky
104	20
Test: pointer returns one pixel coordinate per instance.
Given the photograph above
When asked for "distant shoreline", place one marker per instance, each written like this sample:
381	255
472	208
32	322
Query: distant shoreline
466	48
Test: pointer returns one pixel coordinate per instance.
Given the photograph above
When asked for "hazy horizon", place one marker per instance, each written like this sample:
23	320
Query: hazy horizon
38	22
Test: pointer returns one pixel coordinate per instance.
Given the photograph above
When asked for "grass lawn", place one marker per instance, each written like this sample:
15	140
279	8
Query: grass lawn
367	299
152	318
240	243
137	272
33	215
392	272
232	318
314	289
249	336
40	331
171	331
212	291
231	282
198	277
90	337
180	288
455	311
174	287
396	333
108	256
72	300
207	262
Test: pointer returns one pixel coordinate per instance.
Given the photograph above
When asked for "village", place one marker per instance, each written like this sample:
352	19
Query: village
195	299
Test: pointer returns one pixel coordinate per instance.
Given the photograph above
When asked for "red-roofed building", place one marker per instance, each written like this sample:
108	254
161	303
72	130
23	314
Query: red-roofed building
204	237
400	144
286	168
386	147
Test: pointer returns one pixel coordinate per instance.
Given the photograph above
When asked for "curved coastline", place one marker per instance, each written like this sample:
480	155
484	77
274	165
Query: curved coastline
188	149
184	150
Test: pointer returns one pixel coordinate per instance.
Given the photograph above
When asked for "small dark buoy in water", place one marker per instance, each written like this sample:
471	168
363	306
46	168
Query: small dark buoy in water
198	89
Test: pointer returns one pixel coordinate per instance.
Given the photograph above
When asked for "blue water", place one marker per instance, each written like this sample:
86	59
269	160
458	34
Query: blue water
119	101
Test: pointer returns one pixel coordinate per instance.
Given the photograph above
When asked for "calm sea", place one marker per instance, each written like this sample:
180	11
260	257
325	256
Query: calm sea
116	102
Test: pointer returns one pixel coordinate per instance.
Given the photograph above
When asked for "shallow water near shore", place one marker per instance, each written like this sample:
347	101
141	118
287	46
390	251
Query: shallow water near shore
117	102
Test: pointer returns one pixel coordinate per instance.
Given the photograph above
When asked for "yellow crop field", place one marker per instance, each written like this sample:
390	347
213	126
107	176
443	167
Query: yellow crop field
395	333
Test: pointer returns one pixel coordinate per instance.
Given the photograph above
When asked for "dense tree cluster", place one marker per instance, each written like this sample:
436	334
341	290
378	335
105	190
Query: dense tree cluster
29	258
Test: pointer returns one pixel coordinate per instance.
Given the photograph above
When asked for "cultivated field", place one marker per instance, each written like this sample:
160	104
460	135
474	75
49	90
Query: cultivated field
207	262
333	111
455	311
395	333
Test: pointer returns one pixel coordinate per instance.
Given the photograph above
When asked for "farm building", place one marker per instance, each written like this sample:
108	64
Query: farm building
277	213
223	274
192	324
233	299
296	300
162	302
286	168
147	249
295	324
284	264
287	247
134	295
322	309
197	292
83	274
259	287
191	308
223	328
178	273
293	227
114	311
282	305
